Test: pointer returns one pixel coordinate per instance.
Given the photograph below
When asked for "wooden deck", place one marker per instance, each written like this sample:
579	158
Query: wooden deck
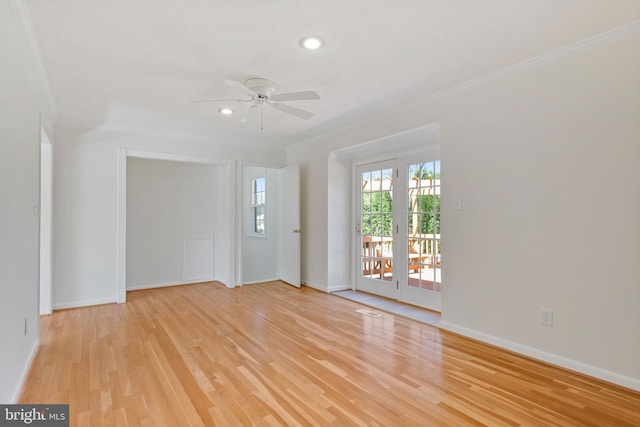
270	354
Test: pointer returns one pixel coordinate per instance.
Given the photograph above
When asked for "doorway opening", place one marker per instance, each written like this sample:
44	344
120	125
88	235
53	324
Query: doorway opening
270	233
224	260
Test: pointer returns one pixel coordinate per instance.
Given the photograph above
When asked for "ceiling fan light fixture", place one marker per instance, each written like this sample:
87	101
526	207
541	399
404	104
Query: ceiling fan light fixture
311	42
225	111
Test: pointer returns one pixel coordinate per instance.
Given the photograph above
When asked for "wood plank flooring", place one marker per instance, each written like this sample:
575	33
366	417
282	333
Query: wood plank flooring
271	355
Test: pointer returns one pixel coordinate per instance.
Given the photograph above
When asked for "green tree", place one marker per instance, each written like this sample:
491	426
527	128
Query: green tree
377	217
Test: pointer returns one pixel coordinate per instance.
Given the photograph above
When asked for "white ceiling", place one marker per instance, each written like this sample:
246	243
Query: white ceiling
137	63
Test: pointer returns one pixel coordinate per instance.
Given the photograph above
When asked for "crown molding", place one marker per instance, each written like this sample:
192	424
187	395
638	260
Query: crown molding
609	36
619	33
23	21
175	135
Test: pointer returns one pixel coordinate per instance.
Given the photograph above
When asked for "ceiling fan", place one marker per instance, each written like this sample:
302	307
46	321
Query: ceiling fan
261	92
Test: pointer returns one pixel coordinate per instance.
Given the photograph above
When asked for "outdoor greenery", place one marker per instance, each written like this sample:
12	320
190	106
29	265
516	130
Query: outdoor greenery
428	214
377	215
377	203
377	218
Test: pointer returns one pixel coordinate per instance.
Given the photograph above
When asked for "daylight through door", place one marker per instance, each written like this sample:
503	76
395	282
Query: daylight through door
398	248
376	229
423	274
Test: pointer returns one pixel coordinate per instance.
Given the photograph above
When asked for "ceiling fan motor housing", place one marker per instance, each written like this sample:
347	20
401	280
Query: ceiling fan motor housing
263	87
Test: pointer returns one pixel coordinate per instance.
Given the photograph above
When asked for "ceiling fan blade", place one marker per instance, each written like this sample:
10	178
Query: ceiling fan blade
240	87
250	114
295	96
292	110
217	100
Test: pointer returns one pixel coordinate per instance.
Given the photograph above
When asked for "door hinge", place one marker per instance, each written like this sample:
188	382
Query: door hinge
397	284
397	229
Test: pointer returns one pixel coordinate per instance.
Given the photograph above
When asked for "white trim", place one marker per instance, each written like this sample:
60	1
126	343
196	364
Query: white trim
261	281
168	284
121	227
619	33
554	359
86	303
22	18
45	288
25	372
229	282
407	141
123	153
234	248
321	288
338	288
538	61
157	155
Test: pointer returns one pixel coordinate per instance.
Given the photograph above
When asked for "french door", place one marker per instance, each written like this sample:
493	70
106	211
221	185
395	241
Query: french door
398	228
376	225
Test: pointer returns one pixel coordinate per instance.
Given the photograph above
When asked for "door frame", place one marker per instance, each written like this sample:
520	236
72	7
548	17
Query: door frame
242	196
230	200
400	160
46	223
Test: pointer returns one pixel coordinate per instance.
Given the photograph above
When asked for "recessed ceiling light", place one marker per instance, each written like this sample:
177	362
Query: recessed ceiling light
311	42
226	111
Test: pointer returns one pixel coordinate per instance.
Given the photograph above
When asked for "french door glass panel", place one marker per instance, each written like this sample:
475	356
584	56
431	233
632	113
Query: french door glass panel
423	236
376	225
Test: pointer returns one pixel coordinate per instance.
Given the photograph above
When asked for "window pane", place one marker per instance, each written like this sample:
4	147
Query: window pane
258	198
258	223
366	202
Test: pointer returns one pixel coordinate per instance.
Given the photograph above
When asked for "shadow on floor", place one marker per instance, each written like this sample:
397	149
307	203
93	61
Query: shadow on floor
391	306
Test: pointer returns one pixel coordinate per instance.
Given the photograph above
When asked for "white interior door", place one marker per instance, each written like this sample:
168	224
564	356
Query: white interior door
290	225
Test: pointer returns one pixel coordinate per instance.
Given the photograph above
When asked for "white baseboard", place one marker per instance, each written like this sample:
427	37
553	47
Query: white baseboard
25	372
229	282
165	285
337	288
554	359
322	288
260	281
74	304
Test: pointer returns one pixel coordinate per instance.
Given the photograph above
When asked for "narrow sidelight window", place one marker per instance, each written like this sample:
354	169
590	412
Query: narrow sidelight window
258	205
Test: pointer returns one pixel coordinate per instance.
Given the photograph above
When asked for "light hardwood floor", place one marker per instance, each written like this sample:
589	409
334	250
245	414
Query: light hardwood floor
270	354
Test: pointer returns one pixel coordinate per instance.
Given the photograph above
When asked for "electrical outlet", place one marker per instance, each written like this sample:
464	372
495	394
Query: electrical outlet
546	317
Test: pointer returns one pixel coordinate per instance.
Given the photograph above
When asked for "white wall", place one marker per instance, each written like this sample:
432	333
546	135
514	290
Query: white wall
340	228
546	162
167	203
86	210
22	103
260	254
